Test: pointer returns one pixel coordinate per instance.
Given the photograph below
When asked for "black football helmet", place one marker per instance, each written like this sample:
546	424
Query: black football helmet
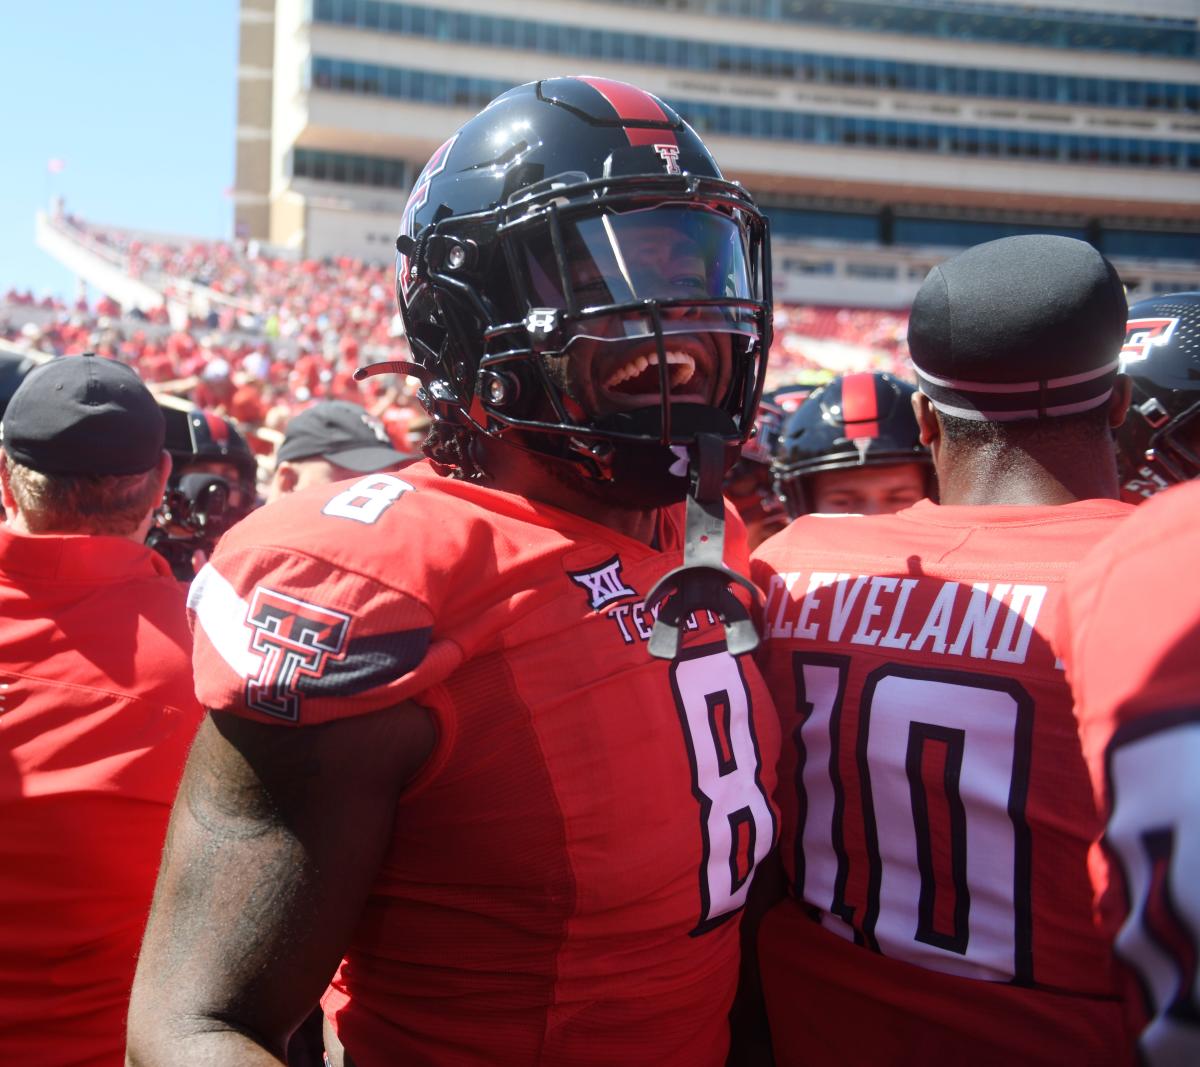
1159	443
199	506
197	435
579	215
859	420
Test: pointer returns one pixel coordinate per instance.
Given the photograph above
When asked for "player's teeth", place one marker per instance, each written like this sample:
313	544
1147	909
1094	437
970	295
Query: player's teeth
632	369
685	368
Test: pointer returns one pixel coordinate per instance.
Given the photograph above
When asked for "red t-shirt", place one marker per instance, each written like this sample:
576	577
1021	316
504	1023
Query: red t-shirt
567	870
96	715
936	809
1130	635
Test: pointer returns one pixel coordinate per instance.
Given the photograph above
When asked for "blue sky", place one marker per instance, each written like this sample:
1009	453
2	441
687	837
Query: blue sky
137	97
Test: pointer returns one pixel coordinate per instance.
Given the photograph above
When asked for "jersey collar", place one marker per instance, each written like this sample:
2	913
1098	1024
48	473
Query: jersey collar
77	557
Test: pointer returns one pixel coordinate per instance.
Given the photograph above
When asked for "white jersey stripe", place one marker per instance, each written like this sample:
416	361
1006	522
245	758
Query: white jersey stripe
221	614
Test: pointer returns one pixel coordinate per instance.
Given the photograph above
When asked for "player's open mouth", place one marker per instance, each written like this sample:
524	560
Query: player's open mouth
635	380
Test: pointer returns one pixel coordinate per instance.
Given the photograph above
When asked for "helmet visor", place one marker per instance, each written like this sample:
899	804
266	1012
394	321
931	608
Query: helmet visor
690	260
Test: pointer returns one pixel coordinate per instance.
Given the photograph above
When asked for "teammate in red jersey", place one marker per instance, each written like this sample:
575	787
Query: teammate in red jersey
936	812
448	771
853	448
1131	641
96	706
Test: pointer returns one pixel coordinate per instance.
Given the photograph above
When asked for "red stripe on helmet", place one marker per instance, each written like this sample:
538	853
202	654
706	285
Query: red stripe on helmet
218	428
860	406
634	105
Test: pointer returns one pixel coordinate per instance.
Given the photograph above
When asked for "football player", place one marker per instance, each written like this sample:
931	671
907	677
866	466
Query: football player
212	486
1159	444
1130	636
455	769
853	448
936	810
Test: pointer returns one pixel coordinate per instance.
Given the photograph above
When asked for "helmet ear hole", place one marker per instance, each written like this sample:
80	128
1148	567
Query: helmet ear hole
501	389
509	392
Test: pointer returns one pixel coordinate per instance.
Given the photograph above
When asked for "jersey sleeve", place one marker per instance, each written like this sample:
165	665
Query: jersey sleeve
284	637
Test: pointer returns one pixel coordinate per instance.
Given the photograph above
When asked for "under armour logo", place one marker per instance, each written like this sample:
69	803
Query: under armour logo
296	639
541	322
604	584
669	153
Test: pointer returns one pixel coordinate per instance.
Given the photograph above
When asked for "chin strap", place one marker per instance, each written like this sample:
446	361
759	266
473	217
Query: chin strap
702	582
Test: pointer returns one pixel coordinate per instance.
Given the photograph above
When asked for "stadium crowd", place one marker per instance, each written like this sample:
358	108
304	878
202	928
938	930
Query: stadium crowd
606	730
287	331
313	324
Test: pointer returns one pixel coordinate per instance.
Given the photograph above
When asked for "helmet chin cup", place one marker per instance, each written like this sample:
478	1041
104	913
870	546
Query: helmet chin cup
703	582
687	421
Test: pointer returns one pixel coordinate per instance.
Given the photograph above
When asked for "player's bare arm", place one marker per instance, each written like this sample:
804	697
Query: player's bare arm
274	841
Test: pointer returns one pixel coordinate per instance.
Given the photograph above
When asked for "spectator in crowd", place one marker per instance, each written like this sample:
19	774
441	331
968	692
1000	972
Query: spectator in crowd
853	448
442	746
96	705
329	442
936	809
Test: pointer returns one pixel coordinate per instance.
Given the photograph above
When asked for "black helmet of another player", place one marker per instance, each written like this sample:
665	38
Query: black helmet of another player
859	420
1159	443
573	215
195	436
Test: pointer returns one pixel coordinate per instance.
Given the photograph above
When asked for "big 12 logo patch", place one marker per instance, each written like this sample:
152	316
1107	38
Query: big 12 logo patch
296	639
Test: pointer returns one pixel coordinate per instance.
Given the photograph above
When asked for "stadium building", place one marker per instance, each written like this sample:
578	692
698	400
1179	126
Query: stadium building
880	137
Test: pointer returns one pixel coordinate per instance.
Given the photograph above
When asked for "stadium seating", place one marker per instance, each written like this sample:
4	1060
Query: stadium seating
264	333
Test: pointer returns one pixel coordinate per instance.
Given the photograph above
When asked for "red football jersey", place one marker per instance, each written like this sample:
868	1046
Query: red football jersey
566	873
96	716
1131	640
936	812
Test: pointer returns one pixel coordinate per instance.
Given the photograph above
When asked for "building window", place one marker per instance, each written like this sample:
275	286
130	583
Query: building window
370	79
349	169
561	39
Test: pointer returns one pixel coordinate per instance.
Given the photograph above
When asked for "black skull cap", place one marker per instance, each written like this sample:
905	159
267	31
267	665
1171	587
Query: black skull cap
1024	327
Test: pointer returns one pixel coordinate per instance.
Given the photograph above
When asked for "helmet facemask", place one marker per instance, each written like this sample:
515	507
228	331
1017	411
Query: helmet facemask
1157	451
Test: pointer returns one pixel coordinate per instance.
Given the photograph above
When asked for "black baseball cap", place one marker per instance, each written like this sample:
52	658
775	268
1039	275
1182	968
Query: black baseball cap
1025	327
342	433
83	415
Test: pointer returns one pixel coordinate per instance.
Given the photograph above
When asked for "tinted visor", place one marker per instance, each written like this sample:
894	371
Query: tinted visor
679	255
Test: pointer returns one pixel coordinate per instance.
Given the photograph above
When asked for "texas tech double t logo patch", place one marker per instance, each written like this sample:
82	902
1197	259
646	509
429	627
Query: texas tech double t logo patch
296	640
